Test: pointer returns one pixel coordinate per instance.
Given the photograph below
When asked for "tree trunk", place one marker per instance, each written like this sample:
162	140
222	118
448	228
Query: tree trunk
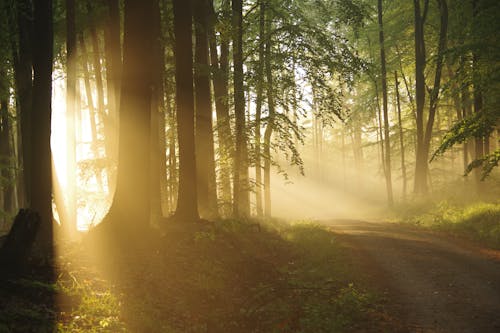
23	62
71	72
94	145
187	202
401	136
6	151
420	186
258	110
220	69
387	157
130	210
205	160
270	122
241	195
41	176
158	141
112	52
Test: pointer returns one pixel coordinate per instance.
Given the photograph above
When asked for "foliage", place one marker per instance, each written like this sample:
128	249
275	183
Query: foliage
477	221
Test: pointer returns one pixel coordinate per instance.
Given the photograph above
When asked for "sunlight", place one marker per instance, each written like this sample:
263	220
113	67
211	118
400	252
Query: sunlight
92	199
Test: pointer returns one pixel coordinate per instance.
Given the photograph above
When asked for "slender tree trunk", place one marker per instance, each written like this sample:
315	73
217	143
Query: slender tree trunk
387	157
112	52
270	122
187	202
207	195
94	145
220	70
401	136
23	63
241	193
420	186
71	69
6	151
258	110
158	141
41	176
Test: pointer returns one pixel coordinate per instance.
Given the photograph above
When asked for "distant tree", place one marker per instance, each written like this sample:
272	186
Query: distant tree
387	157
241	203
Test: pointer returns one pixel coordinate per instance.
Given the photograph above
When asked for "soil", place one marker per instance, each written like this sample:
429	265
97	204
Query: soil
430	282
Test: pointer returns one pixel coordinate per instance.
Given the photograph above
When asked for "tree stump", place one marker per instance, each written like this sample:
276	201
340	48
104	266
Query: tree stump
15	250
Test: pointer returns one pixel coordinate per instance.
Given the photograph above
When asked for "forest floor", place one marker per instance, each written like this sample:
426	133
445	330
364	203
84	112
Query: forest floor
433	282
232	276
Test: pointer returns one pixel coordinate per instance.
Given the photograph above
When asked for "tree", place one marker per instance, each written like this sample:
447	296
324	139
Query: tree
205	163
387	169
424	135
187	202
131	206
40	193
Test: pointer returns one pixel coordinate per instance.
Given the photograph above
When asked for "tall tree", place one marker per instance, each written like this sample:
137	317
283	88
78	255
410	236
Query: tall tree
241	203
40	199
387	138
187	202
131	204
71	81
220	78
270	121
424	135
205	160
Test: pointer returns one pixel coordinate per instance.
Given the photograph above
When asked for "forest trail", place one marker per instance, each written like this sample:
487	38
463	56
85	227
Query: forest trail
431	282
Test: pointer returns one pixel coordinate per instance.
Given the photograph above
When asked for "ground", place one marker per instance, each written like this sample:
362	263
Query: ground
435	283
231	276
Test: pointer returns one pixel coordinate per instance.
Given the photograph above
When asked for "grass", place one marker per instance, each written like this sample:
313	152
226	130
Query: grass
228	276
478	221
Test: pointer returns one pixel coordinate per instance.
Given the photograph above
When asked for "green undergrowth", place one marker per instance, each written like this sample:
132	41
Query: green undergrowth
227	276
478	221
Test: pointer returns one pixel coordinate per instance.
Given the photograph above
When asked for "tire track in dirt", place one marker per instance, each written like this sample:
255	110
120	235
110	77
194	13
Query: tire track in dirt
432	283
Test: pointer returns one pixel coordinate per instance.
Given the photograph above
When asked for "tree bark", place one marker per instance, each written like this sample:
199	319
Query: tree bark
258	110
241	202
270	122
401	136
71	69
205	160
220	70
41	176
131	205
387	157
187	202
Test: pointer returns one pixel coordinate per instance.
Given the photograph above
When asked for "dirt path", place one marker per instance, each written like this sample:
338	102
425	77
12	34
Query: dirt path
432	283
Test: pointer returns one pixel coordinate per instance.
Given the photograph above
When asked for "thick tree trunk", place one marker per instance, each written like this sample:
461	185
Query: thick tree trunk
187	202
205	160
130	210
41	176
387	157
241	194
6	151
112	52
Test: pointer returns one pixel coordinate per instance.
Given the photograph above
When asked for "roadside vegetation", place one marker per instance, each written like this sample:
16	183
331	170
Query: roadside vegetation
227	276
476	221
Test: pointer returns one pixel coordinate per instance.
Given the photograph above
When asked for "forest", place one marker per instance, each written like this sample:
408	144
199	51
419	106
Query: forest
249	166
